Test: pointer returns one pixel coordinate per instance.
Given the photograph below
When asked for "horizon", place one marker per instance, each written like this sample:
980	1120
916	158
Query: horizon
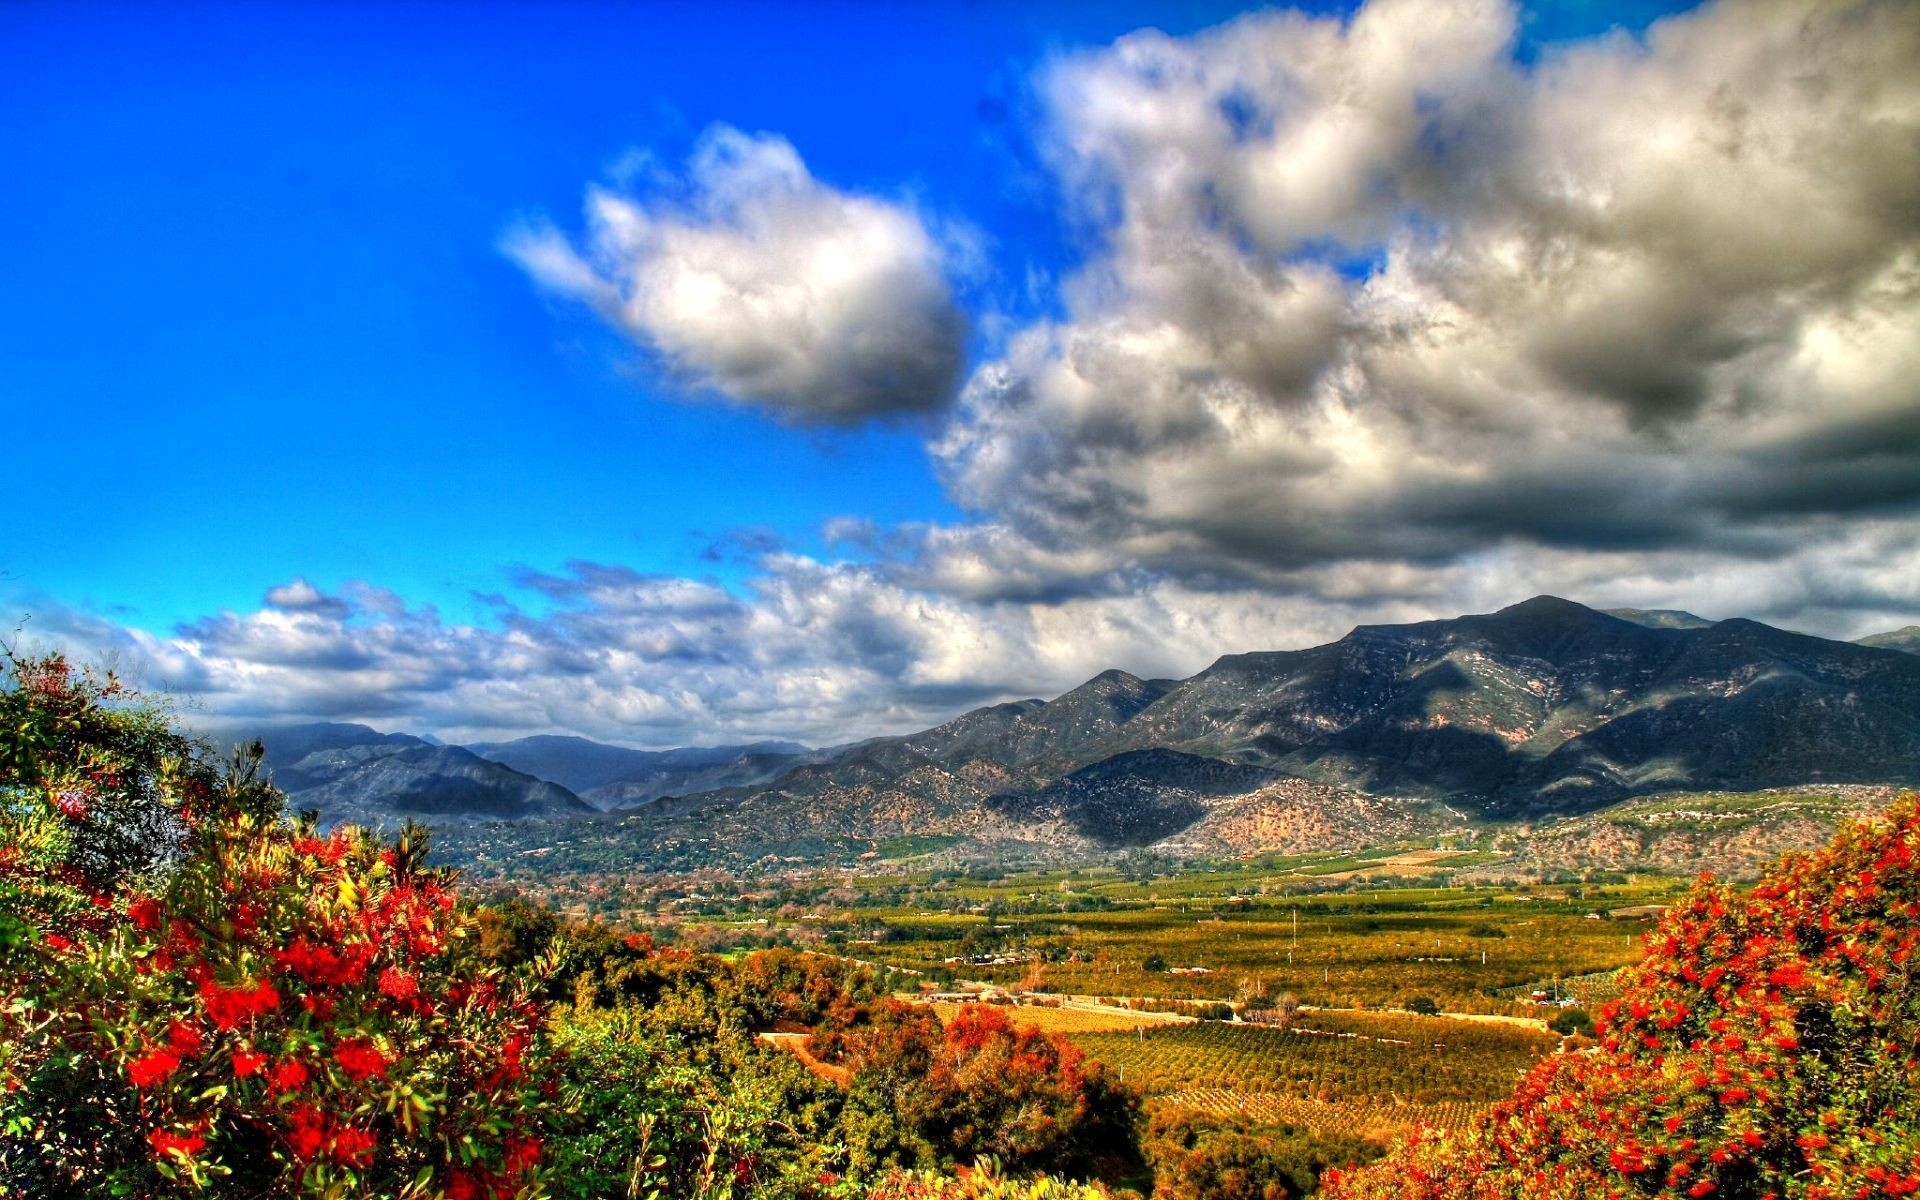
245	729
673	379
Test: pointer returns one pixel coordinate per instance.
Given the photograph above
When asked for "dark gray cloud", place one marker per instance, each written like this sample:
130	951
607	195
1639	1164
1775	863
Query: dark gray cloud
768	287
1659	295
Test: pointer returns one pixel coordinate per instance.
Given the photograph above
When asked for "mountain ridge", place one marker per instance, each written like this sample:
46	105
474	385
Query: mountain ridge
1543	708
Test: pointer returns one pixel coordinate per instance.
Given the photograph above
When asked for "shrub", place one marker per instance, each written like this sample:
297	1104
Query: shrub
1767	1045
1571	1021
233	1003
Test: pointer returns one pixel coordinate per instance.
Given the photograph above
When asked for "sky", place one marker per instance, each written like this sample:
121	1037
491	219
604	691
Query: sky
675	374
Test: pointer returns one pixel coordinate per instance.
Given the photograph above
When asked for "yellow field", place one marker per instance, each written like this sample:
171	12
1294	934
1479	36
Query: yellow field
1073	1020
1353	1118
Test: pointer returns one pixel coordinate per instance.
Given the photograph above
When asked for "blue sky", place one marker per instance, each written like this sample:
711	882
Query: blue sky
267	315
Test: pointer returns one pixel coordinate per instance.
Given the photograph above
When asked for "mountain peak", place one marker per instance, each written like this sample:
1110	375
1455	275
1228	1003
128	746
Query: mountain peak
1907	640
1547	606
1660	618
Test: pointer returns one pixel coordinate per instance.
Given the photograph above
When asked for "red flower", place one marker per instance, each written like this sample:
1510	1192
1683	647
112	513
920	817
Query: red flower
523	1154
59	942
166	1142
145	914
360	1058
398	984
229	1007
353	1147
247	1062
463	1186
184	1039
287	1077
308	1134
150	1069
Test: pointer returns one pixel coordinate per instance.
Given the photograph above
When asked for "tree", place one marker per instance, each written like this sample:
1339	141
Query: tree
203	995
1768	1045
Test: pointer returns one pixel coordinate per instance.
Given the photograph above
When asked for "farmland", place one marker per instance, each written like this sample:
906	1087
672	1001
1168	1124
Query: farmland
1329	1057
1239	937
1336	1072
1376	928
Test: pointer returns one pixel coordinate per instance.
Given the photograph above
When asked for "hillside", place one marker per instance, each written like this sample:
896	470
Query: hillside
1543	710
352	773
1905	640
1763	1047
610	777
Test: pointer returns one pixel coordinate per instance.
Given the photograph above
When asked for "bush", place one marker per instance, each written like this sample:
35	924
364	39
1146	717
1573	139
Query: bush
1424	1005
1765	1046
200	995
1570	1021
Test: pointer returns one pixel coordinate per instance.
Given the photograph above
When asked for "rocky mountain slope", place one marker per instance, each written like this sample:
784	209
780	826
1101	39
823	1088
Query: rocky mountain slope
1906	640
1541	710
611	777
352	773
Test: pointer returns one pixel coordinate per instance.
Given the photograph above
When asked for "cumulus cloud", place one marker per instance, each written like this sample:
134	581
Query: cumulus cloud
1380	324
1369	291
752	279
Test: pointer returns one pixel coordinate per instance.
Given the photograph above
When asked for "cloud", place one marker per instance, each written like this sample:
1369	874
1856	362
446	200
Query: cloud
1378	324
1371	292
752	279
301	596
826	653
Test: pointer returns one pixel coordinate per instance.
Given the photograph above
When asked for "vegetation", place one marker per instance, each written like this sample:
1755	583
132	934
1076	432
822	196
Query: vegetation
202	996
1378	1059
1769	1045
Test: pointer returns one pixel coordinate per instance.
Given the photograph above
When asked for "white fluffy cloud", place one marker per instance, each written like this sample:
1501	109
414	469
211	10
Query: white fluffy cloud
768	287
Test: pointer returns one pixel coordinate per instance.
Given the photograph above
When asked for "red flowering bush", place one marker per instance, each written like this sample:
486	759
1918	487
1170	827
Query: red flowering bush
980	1088
1767	1046
244	1006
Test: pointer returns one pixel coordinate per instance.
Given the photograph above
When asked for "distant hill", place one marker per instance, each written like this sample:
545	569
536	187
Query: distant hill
1905	640
1660	618
616	777
1541	710
353	773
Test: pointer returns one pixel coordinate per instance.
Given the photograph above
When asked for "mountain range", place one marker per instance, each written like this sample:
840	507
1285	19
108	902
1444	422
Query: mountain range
1543	709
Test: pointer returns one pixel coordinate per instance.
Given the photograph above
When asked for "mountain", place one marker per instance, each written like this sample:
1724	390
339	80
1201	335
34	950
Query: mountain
1542	710
1660	618
1905	640
1549	706
353	773
1133	799
616	777
1546	707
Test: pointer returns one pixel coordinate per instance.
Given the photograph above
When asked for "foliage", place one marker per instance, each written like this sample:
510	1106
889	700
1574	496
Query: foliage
240	1006
1767	1046
1200	1156
986	1183
654	1118
1571	1021
981	1087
